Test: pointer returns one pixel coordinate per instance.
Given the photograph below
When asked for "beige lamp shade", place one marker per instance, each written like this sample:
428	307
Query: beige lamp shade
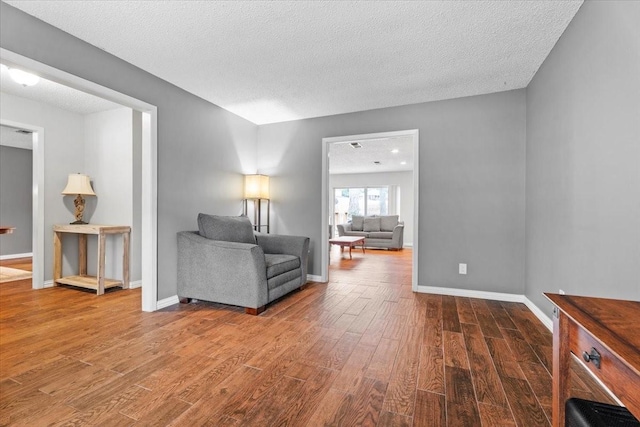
256	187
78	184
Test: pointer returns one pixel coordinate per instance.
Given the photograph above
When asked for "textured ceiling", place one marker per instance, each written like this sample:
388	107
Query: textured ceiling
271	61
55	94
345	159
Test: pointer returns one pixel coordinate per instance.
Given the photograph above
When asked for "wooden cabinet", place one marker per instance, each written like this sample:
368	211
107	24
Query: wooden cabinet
604	334
99	283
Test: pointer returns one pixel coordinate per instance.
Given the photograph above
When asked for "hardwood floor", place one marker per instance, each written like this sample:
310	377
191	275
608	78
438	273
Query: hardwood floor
360	350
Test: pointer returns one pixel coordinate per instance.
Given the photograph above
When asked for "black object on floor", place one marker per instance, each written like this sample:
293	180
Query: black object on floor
585	413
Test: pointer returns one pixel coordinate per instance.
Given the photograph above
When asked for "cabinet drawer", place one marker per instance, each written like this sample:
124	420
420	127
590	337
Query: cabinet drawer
623	381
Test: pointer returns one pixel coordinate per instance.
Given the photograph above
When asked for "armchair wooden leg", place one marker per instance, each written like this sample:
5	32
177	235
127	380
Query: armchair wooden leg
254	311
185	300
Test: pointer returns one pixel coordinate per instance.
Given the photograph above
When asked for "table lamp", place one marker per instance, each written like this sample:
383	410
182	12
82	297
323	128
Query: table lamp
80	185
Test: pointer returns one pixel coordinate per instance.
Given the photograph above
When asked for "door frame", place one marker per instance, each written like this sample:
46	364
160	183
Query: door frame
327	196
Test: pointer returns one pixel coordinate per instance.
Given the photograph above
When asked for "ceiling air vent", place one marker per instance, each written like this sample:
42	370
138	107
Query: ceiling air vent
24	132
377	162
355	145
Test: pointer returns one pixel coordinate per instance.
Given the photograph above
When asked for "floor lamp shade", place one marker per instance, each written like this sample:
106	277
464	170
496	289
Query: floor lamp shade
80	185
256	187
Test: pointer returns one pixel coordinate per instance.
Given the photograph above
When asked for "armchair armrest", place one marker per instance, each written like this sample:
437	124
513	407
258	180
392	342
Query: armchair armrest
342	228
225	272
289	245
397	241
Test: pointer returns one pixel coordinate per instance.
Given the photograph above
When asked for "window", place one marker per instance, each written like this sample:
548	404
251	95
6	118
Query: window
360	201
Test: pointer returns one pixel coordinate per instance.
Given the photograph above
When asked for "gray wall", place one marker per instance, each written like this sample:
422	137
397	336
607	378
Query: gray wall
16	199
583	159
63	153
472	181
203	150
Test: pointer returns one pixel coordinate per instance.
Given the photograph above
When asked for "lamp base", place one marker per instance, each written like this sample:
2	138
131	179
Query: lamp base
78	223
79	204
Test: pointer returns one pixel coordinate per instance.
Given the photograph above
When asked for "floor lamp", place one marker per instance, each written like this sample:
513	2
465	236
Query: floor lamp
256	188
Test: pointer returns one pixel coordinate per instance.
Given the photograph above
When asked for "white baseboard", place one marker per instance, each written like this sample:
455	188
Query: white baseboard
16	256
314	278
167	302
498	296
48	284
135	284
546	320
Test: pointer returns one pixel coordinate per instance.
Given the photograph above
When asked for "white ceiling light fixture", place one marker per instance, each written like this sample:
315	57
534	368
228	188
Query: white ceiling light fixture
395	151
403	163
23	78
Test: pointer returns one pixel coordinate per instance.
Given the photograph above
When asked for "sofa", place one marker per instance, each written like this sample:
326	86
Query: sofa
383	231
226	262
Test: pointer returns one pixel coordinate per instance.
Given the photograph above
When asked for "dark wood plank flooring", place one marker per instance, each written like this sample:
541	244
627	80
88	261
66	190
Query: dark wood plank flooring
361	350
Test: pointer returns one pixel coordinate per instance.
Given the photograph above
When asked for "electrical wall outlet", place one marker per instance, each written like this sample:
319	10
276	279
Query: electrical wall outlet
560	291
462	268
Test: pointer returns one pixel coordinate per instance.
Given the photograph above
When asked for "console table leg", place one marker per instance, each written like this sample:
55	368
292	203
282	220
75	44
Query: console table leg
82	254
126	242
561	366
101	257
57	257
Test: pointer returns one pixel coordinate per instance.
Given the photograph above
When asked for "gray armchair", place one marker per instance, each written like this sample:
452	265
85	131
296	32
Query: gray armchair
226	262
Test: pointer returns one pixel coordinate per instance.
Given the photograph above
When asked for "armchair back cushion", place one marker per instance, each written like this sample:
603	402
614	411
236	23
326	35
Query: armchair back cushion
226	228
357	223
388	222
371	224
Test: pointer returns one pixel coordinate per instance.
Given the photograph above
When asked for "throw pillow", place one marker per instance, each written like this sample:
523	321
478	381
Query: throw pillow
388	222
357	223
372	224
226	228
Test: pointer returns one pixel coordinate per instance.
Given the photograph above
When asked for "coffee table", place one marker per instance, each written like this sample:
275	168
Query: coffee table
350	241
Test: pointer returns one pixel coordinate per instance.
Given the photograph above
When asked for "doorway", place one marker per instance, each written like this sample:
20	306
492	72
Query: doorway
148	166
328	192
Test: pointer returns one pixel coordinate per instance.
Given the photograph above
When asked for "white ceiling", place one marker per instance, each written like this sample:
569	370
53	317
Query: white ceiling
343	158
271	61
55	94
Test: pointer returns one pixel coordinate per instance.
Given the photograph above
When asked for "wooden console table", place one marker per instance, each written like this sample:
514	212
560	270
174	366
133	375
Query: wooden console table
605	335
99	283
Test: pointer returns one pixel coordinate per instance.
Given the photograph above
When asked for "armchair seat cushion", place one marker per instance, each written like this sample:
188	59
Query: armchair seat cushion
381	235
278	264
282	279
357	233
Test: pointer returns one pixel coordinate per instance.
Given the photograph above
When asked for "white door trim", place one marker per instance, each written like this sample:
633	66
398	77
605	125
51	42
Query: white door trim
149	215
37	185
326	196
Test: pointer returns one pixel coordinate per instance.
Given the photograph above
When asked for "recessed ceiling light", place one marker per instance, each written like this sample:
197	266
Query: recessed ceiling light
23	78
395	151
403	163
